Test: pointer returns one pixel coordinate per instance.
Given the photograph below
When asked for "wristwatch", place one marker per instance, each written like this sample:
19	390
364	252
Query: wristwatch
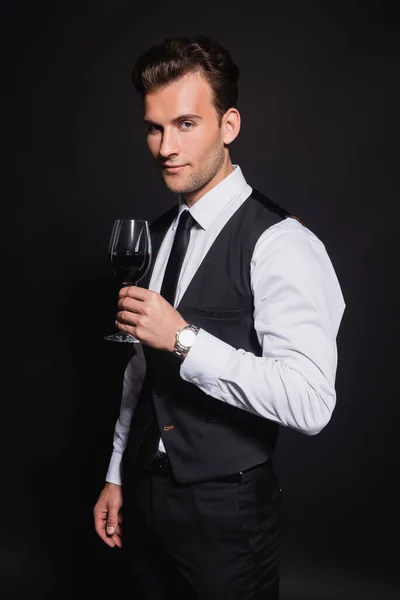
184	340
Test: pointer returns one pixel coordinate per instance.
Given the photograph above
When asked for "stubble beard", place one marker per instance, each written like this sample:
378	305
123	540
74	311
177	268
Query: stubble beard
200	178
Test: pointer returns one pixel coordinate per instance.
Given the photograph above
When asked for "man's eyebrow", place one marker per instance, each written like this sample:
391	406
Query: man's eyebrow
175	121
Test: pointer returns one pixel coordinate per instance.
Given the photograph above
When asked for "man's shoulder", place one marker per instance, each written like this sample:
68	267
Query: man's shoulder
264	204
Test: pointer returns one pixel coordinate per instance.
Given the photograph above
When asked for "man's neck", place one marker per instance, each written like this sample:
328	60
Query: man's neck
193	197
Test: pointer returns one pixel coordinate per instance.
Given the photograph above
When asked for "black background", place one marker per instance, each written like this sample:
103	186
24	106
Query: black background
319	103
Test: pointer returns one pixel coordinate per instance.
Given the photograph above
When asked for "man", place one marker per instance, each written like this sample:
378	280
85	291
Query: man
238	337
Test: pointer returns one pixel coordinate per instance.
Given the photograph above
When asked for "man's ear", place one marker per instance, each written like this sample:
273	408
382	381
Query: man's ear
230	125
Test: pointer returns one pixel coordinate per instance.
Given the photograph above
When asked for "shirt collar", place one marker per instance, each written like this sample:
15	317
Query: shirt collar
206	210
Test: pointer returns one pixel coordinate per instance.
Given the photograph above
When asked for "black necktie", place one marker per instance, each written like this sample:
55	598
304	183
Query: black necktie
178	251
149	445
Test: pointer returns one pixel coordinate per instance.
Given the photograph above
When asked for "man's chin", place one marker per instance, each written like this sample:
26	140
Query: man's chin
174	186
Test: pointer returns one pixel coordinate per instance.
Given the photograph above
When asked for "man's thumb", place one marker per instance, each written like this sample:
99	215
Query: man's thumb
112	522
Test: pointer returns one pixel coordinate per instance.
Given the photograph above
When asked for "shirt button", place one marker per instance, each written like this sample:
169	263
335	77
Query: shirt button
196	380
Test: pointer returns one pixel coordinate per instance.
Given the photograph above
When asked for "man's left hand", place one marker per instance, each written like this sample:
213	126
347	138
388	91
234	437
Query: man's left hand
149	317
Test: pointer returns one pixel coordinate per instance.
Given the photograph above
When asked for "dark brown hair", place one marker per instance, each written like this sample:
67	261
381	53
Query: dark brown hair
174	57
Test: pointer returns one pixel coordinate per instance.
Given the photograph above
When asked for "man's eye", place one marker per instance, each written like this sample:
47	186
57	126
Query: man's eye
186	125
153	128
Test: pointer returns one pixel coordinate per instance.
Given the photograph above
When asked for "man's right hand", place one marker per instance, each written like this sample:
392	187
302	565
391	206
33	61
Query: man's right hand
107	518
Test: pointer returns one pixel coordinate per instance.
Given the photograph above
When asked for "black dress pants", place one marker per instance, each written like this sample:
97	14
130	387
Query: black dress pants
216	540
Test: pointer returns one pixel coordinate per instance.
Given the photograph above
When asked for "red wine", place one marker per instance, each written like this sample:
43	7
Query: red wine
129	267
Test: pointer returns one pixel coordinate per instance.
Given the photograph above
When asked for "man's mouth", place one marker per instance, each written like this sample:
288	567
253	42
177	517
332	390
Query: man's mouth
172	168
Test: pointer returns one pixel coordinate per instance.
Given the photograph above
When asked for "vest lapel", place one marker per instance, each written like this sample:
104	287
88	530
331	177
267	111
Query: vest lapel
206	257
255	195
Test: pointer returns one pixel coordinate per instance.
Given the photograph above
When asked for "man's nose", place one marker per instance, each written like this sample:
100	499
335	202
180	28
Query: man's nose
169	144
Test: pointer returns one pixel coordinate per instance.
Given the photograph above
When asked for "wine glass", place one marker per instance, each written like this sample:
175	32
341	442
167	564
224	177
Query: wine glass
129	254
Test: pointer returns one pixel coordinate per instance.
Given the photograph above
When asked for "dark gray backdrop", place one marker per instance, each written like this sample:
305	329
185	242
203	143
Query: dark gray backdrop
319	102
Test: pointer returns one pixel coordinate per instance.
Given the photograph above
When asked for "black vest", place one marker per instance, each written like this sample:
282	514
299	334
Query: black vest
206	438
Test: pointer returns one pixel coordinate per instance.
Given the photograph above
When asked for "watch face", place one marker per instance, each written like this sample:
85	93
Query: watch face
187	337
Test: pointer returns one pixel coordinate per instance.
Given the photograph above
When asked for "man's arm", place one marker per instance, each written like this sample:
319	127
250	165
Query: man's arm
298	309
132	385
106	512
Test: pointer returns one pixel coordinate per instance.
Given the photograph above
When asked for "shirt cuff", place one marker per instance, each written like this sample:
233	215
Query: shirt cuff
205	360
114	468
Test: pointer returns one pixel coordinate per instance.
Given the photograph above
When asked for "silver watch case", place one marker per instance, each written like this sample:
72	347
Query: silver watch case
184	340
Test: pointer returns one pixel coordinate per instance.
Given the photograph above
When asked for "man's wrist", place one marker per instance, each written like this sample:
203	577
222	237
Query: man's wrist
185	337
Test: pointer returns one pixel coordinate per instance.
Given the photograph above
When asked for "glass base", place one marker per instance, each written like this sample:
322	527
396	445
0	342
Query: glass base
122	337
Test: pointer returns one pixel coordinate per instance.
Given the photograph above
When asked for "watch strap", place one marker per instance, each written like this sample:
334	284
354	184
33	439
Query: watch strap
179	349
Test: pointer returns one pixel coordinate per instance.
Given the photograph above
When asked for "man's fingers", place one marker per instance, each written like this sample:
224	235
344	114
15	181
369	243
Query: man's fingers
106	515
136	292
109	529
126	317
101	531
112	522
109	541
99	524
114	539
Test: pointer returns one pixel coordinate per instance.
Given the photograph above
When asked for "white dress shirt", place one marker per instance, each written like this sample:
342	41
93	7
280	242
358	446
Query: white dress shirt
298	307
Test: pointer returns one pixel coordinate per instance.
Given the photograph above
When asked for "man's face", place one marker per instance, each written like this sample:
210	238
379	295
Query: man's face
184	136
